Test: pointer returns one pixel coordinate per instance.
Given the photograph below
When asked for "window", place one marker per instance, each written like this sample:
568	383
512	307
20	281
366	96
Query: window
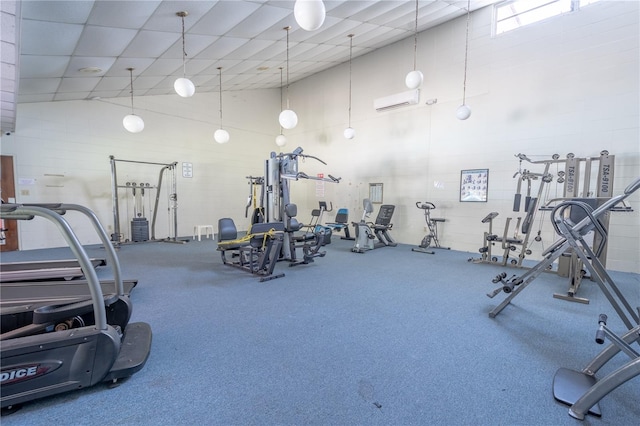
514	14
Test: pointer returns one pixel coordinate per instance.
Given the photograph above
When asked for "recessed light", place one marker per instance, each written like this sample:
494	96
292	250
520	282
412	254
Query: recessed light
263	68
90	70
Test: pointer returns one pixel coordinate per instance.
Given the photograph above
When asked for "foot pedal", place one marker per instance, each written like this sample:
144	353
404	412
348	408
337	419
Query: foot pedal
134	351
570	385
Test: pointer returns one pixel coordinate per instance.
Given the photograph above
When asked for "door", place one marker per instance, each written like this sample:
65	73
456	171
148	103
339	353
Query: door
9	228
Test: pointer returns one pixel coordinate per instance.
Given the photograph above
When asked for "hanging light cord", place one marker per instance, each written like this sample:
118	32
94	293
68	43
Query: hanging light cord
220	69
350	56
466	53
184	51
287	28
415	41
281	95
131	74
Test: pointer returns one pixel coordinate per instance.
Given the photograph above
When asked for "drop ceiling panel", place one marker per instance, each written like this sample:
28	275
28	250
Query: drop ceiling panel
194	44
60	37
43	66
86	84
116	83
49	38
104	41
29	86
151	44
222	47
223	17
165	18
122	14
260	20
70	12
119	67
250	49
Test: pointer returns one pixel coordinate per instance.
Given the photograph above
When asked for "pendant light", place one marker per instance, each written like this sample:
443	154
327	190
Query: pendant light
221	136
288	118
281	139
309	14
463	112
133	123
349	133
414	78
183	86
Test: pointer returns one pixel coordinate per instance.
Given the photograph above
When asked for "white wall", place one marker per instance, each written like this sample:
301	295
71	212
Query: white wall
568	84
61	152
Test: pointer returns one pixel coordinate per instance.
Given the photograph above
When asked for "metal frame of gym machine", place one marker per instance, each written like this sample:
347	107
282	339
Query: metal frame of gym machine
571	177
581	389
280	169
173	200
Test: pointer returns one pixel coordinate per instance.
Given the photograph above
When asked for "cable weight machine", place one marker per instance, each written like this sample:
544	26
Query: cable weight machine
139	223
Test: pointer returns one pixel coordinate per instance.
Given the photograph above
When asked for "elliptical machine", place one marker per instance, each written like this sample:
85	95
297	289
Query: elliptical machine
432	225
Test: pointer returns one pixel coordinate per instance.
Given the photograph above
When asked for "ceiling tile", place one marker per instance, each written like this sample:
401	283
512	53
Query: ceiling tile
150	44
165	18
250	49
223	17
30	86
70	12
104	41
119	68
48	38
221	48
43	66
259	21
122	14
85	84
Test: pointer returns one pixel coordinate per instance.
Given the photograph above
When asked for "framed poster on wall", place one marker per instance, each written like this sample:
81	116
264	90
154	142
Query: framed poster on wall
473	185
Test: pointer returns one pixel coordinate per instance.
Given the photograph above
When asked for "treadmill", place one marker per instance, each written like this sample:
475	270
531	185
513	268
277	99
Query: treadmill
45	358
19	301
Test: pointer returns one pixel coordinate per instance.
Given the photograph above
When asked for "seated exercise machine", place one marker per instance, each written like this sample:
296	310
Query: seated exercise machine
67	346
432	225
341	224
316	226
309	242
367	232
257	252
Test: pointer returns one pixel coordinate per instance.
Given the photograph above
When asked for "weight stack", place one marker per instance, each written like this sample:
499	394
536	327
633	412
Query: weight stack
139	229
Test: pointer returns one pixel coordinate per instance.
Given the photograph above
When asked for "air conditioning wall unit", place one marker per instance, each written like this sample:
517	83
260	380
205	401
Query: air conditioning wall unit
410	97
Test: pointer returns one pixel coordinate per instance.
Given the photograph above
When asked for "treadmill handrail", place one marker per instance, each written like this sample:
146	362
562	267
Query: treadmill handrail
75	246
104	237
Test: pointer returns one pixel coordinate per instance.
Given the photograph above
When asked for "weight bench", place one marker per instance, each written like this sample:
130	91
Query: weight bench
257	251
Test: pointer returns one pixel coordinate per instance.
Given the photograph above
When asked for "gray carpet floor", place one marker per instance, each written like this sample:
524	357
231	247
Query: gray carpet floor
389	337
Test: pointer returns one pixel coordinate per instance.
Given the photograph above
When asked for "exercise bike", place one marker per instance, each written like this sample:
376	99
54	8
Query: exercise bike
432	225
368	232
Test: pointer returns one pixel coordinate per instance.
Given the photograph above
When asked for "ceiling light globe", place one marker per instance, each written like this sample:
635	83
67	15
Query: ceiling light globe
349	133
463	112
184	87
414	79
288	119
281	140
221	136
133	123
309	14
